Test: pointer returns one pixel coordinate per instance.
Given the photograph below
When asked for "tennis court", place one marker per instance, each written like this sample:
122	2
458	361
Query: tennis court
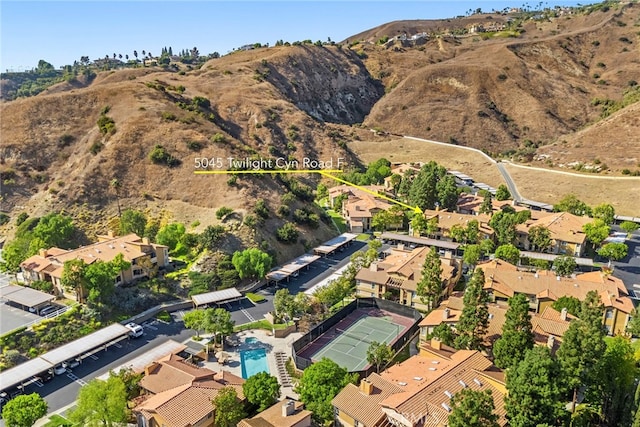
348	348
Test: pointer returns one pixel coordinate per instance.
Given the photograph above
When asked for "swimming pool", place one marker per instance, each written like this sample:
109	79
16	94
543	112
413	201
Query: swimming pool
253	361
250	340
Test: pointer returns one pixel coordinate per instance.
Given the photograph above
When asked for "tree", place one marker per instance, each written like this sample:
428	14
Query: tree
252	262
284	304
447	192
533	394
487	246
170	235
116	185
261	389
472	408
570	203
73	277
211	235
596	231
100	278
228	408
509	253
319	384
419	224
581	349
614	387
502	193
132	221
54	230
633	327
474	319
540	237
517	335
24	410
131	381
564	265
379	354
381	220
486	207
444	333
613	251
457	233
429	287
218	322
629	226
196	320
605	212
504	225
471	255
101	403
572	304
288	233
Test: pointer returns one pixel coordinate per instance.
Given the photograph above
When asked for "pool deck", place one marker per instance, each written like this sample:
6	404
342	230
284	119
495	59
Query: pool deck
265	340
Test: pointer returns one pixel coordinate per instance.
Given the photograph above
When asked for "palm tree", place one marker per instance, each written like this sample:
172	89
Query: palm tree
116	185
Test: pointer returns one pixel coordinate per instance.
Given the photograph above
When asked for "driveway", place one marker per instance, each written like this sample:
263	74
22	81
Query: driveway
628	269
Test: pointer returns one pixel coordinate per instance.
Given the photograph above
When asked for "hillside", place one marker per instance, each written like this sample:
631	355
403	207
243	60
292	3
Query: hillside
525	86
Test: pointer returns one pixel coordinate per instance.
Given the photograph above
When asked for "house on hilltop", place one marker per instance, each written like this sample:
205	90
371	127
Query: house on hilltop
179	394
418	391
48	264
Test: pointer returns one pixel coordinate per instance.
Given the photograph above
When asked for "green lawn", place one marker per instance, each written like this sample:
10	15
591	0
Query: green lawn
259	324
338	221
56	420
255	298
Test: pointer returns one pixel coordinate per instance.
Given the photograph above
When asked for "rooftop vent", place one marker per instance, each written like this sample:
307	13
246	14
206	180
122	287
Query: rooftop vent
448	394
446	407
402	383
417	378
463	384
435	362
477	381
432	369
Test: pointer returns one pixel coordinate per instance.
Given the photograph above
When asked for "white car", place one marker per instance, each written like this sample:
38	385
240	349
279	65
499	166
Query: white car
135	330
60	369
72	363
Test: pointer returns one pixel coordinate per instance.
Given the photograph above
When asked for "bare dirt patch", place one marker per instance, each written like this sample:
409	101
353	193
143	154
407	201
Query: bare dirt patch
450	156
550	187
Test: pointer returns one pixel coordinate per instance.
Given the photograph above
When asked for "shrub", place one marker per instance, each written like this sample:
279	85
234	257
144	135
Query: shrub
218	138
66	139
502	77
288	233
22	218
106	124
261	209
168	116
96	147
601	65
223	211
194	145
283	211
159	155
4	218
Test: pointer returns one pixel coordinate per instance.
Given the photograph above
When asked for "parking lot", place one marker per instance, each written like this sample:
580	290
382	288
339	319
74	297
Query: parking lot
12	317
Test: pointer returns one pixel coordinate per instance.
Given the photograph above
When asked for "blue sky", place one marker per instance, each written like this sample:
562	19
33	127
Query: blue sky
61	32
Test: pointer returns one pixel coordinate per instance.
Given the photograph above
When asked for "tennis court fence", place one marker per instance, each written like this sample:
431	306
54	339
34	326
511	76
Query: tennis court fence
328	326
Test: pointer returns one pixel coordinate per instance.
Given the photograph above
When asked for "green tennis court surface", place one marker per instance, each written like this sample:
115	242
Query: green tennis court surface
349	347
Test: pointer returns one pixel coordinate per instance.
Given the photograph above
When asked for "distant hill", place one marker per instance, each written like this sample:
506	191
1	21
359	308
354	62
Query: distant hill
530	86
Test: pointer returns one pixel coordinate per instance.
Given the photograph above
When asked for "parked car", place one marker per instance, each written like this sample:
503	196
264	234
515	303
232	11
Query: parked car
71	363
60	369
135	330
45	376
48	310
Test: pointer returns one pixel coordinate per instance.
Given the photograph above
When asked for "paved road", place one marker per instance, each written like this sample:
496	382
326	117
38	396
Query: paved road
510	184
244	311
628	269
62	390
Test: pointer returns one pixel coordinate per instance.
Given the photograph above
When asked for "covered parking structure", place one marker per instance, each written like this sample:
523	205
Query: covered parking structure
216	297
334	244
584	262
82	347
25	297
421	241
291	269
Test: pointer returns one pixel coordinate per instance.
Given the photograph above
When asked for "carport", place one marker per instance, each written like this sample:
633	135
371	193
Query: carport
292	268
216	297
332	245
84	346
421	241
81	347
585	262
25	297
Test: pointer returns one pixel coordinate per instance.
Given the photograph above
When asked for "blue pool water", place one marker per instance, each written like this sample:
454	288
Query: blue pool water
250	340
253	361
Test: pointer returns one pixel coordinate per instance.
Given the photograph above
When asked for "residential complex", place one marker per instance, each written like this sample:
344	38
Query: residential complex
396	277
418	391
48	264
